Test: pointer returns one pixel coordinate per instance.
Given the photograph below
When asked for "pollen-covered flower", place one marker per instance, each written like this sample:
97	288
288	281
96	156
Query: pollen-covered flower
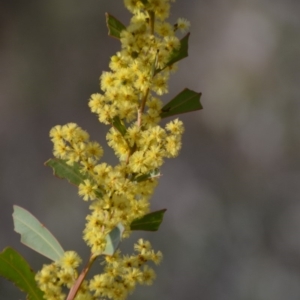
56	134
67	276
175	127
137	162
160	84
96	102
156	257
87	189
164	29
107	80
172	43
94	150
70	260
183	24
148	275
172	146
142	246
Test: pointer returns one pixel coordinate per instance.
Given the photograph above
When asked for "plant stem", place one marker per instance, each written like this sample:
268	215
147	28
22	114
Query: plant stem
74	289
152	20
142	107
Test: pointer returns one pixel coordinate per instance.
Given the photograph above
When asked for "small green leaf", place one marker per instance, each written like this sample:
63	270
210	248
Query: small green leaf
179	53
16	269
62	170
113	240
114	26
117	123
152	174
35	235
184	102
72	173
149	222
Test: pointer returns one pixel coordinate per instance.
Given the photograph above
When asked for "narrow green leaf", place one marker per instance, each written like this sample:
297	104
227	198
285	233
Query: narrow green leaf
184	102
72	173
114	26
113	240
149	222
35	235
179	53
117	123
16	269
62	170
152	174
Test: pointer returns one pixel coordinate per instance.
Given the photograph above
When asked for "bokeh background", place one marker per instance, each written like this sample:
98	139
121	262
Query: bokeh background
232	229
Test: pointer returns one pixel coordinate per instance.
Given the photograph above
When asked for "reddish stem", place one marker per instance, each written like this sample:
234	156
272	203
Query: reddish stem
74	289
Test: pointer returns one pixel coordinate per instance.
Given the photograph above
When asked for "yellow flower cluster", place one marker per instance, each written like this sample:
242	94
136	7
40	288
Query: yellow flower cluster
150	144
122	273
147	44
54	277
121	193
72	144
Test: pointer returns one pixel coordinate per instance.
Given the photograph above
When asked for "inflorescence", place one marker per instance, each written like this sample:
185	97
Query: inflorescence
129	95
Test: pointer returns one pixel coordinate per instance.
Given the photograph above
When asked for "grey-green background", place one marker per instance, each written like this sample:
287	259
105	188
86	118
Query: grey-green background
232	229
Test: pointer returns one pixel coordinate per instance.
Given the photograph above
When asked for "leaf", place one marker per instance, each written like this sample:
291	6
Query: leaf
179	53
152	174
16	269
113	240
117	123
184	102
35	235
114	26
62	170
72	173
149	222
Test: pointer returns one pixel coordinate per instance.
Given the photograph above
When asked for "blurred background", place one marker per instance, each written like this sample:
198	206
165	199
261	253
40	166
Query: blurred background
232	229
